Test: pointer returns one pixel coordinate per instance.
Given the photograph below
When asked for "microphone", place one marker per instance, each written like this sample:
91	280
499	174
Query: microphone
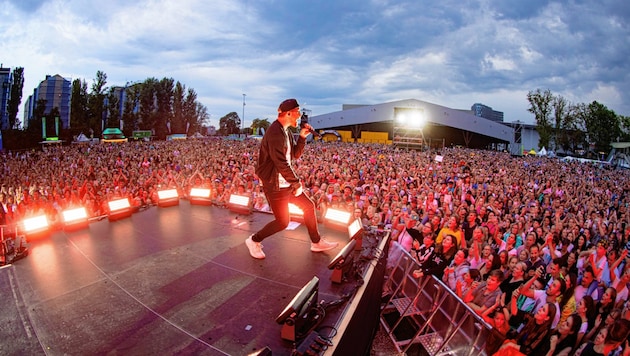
304	125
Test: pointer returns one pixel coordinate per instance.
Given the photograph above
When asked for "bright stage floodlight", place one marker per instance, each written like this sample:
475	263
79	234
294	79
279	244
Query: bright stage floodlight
119	209
74	219
341	261
409	118
168	197
295	213
36	226
240	204
200	196
355	232
337	218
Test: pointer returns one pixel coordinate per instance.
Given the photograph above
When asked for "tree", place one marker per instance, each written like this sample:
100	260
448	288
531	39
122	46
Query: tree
178	122
540	106
96	103
147	106
15	98
560	112
190	111
129	116
229	124
185	116
164	102
624	122
79	107
260	124
602	126
572	135
202	117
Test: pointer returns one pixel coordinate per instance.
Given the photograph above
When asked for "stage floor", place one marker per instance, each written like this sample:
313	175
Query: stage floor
174	280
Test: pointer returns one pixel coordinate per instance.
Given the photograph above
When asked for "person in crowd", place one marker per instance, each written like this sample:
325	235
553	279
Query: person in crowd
608	301
569	265
530	240
410	240
485	294
598	261
496	315
492	262
607	340
530	340
535	261
512	261
586	310
469	281
567	301
588	286
504	260
455	271
469	225
440	259
515	280
425	251
603	321
564	338
452	228
479	249
549	294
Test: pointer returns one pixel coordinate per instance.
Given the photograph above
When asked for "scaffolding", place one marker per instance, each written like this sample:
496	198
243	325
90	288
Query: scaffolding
408	138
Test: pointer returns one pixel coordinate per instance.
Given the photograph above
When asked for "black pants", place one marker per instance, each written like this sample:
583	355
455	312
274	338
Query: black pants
279	203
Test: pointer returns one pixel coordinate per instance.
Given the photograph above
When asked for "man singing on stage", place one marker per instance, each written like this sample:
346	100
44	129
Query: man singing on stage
280	183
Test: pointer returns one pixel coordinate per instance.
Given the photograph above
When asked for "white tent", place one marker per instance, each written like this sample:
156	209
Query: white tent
82	138
542	152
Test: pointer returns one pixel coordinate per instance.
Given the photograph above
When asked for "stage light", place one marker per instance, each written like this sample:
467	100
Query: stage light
119	209
35	226
240	204
200	196
337	218
410	118
341	262
295	213
168	197
296	316
75	218
355	232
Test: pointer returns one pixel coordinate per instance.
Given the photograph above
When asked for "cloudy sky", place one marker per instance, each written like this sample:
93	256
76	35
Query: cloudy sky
327	53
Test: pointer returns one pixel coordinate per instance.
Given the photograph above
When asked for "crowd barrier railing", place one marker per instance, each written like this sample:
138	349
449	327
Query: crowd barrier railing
426	312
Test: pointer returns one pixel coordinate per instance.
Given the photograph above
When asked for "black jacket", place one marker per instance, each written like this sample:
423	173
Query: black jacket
272	157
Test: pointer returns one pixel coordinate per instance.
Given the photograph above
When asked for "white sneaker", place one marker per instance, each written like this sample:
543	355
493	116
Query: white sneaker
255	248
323	245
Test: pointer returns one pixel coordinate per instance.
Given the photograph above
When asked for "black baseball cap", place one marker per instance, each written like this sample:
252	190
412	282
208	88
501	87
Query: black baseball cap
288	105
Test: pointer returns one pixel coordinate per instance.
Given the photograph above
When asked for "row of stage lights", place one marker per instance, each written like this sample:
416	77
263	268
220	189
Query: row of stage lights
77	218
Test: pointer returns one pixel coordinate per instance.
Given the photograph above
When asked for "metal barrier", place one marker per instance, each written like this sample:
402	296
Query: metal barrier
427	312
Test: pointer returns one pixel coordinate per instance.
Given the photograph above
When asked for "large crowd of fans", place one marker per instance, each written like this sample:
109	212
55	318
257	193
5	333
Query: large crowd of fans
534	245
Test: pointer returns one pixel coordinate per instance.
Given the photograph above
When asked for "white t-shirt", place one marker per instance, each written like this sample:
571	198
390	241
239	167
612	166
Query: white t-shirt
282	182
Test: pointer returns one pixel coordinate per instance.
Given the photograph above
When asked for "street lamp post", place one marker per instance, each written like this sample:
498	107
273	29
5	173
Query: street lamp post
243	123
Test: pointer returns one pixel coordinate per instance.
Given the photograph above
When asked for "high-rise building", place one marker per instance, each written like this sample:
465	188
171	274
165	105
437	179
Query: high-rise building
6	81
486	112
56	90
